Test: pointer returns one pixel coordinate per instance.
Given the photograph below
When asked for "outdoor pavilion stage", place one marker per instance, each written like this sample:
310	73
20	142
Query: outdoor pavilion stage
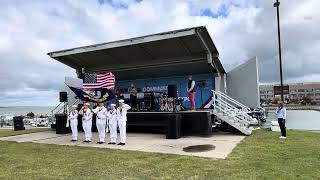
168	54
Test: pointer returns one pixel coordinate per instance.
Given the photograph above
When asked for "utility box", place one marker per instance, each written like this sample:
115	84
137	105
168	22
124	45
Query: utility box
18	123
61	124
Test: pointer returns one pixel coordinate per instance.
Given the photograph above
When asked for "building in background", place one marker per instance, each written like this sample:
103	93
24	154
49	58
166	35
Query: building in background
293	93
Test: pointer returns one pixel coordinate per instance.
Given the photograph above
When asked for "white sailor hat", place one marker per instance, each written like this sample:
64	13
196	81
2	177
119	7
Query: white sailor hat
121	101
74	106
113	105
87	104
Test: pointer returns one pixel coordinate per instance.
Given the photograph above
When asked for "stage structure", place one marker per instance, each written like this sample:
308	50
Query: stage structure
152	74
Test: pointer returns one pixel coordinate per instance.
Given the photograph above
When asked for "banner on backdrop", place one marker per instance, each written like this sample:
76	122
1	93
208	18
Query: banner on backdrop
96	95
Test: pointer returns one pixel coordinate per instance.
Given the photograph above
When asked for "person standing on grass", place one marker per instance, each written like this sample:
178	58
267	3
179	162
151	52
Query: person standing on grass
112	117
73	115
192	93
282	115
86	122
101	122
122	120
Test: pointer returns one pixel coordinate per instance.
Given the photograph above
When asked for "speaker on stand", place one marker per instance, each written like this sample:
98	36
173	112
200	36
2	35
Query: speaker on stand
61	119
64	98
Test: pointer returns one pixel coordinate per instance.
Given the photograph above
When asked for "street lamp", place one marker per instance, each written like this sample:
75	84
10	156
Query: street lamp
277	4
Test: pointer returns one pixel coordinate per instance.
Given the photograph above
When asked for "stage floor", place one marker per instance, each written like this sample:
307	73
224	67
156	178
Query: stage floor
223	142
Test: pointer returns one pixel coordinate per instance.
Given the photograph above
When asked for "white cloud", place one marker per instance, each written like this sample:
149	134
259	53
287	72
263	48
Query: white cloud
30	29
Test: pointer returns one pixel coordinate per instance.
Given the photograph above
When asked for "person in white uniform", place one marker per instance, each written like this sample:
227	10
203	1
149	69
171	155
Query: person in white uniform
73	116
122	120
86	121
112	117
101	112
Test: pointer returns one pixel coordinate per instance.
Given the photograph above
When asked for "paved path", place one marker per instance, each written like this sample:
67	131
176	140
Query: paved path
223	142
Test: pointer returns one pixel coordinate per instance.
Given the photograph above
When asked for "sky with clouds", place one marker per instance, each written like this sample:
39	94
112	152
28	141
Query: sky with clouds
240	29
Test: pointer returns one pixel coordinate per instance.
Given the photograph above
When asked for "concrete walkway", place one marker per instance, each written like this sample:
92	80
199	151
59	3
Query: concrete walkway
223	142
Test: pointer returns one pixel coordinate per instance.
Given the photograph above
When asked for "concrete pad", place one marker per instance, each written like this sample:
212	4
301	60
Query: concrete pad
224	142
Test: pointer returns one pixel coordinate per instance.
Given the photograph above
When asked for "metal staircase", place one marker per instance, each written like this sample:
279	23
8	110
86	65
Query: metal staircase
59	109
232	112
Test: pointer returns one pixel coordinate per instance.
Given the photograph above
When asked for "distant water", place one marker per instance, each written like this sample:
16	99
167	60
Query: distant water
299	119
23	110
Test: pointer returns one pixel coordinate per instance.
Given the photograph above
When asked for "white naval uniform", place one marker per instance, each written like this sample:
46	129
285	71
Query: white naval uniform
101	121
87	123
73	115
122	122
112	116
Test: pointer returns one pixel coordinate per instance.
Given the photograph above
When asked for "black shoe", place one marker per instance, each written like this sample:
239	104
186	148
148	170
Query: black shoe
73	140
85	141
100	142
89	141
110	143
122	144
119	144
113	143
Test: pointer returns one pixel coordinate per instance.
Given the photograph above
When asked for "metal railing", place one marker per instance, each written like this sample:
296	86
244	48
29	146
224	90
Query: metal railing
229	107
233	112
230	100
60	107
53	111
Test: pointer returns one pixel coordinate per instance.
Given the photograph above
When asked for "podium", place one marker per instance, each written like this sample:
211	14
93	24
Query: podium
18	123
61	124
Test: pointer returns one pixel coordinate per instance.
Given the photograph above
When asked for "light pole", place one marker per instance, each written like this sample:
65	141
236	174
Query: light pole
277	4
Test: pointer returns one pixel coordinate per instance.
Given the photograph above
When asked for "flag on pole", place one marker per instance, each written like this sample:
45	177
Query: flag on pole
100	80
96	95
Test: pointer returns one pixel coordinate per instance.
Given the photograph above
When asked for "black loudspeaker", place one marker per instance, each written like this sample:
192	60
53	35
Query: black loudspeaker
173	126
18	123
148	100
133	99
172	91
61	124
63	97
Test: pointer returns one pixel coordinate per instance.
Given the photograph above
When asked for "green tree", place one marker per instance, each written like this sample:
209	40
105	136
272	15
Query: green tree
294	101
306	100
30	114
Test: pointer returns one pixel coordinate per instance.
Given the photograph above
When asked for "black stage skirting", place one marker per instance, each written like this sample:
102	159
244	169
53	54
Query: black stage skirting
173	124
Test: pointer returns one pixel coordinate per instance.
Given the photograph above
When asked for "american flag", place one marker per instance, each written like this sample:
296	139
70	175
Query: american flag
100	80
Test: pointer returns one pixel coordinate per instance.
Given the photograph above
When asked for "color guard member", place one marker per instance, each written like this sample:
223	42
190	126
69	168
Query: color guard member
112	117
73	115
101	121
86	121
122	120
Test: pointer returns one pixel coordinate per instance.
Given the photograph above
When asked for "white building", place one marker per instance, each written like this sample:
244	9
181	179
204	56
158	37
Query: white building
294	91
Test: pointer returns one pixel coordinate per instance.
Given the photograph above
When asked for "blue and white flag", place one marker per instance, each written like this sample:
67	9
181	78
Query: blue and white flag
96	95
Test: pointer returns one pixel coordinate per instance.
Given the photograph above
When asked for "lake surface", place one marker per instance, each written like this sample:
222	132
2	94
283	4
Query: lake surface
298	119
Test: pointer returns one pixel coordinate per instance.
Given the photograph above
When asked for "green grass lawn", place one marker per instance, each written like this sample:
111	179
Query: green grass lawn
11	132
259	156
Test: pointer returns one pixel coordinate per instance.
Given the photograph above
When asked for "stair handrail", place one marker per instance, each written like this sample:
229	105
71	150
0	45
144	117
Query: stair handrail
244	118
77	101
241	115
243	107
230	106
239	124
240	119
52	111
